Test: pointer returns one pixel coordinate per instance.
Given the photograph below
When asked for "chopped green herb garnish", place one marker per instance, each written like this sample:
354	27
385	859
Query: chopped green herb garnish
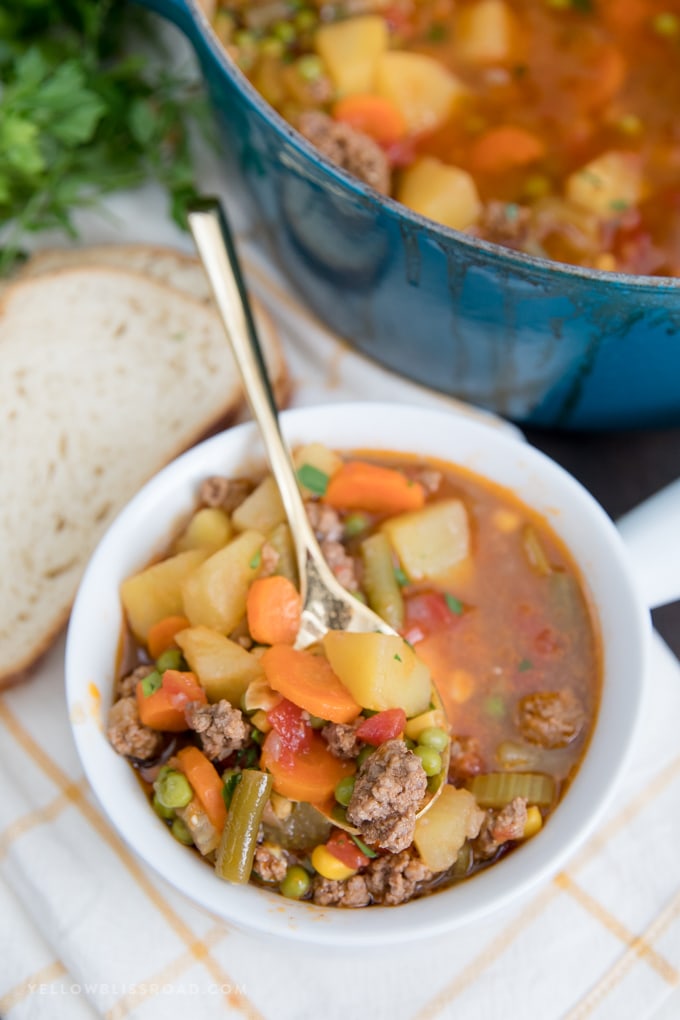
362	846
397	657
256	560
151	683
454	604
232	777
401	578
313	479
524	665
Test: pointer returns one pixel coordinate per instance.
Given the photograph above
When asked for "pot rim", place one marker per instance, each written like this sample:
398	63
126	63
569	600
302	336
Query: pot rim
436	232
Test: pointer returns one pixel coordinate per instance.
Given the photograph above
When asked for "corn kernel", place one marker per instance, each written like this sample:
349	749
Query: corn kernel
534	822
260	721
329	866
506	520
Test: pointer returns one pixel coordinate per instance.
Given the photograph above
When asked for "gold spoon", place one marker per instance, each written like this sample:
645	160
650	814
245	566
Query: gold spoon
326	605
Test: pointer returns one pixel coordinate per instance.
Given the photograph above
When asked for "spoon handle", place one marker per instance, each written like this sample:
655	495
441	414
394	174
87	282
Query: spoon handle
217	250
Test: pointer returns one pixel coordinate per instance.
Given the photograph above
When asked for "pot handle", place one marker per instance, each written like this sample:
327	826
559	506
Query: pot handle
651	534
178	11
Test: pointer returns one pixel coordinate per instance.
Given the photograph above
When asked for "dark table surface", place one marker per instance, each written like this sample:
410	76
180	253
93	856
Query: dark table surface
620	470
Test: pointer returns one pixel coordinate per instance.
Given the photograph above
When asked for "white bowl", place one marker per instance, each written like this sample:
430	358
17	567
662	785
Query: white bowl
145	526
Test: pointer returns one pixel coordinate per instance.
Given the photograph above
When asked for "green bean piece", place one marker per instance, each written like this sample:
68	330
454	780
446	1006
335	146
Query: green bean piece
430	759
435	737
281	541
380	584
173	789
235	854
181	832
171	658
363	754
296	883
496	789
535	553
344	790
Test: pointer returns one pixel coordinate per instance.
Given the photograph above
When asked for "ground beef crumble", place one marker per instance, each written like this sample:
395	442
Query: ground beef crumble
348	148
127	685
128	735
220	727
225	493
551	718
388	880
342	739
499	827
389	788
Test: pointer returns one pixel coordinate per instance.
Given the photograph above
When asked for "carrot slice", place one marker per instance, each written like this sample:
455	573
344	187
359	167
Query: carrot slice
161	635
309	776
273	607
164	708
206	783
374	116
309	682
358	485
505	148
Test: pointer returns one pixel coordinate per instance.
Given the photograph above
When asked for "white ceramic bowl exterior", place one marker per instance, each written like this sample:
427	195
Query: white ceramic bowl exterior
146	526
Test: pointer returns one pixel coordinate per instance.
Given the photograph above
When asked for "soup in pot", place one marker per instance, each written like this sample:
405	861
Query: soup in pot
547	126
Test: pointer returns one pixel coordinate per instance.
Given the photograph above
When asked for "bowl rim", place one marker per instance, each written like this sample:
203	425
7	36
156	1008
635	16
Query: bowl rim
268	913
496	252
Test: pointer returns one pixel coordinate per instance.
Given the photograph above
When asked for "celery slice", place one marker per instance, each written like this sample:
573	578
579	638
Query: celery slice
496	789
382	588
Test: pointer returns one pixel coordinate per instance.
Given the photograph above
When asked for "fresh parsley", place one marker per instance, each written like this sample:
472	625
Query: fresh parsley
82	114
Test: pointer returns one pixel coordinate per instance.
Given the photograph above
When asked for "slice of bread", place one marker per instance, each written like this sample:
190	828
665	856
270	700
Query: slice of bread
105	375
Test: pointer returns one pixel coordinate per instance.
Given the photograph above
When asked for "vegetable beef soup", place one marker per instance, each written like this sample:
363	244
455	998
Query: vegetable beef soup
341	774
547	126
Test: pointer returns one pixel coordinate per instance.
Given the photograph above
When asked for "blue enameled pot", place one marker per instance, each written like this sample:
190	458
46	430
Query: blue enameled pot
537	341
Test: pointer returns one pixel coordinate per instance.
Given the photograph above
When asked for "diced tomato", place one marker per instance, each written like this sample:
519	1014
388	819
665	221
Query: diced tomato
382	726
164	708
342	846
426	613
289	721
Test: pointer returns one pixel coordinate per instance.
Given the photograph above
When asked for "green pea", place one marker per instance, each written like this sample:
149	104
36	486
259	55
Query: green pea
162	812
171	658
356	523
180	831
344	790
284	31
363	755
296	883
310	67
411	744
173	789
429	759
305	19
434	737
316	722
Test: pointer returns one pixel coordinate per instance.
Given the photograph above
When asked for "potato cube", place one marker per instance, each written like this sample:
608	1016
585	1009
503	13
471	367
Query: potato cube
156	592
350	50
433	717
445	194
606	186
262	510
209	528
440	833
223	667
423	90
487	33
379	670
433	544
214	594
